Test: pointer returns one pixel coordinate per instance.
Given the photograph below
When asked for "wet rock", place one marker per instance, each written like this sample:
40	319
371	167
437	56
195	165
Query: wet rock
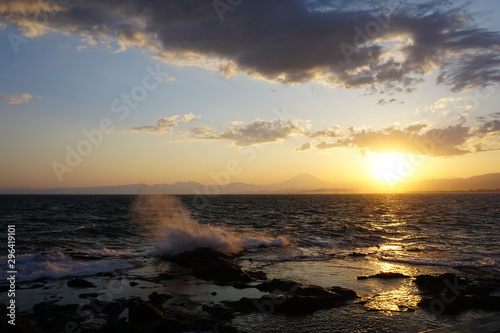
449	294
455	304
209	264
55	317
141	311
166	276
219	310
278	285
296	300
258	275
133	283
89	295
120	326
347	293
436	284
385	276
159	299
80	283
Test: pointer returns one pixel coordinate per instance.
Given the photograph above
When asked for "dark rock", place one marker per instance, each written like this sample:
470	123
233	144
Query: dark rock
209	264
55	317
219	310
298	300
80	283
436	284
213	293
23	325
120	326
159	299
357	254
89	295
168	325
278	285
259	275
140	311
110	309
347	293
385	276
454	304
133	283
166	276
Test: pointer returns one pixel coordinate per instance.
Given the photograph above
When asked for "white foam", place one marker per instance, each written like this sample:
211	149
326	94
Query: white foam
56	265
177	231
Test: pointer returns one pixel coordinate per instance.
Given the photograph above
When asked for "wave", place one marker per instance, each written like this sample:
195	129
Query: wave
177	231
56	265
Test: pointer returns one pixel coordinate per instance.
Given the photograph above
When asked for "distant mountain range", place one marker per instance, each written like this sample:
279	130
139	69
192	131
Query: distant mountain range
303	183
490	181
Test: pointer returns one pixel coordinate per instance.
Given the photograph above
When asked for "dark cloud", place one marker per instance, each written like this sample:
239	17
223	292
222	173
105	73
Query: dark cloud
349	44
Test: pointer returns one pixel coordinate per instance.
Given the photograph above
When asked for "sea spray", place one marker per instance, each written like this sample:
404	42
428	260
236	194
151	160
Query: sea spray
177	231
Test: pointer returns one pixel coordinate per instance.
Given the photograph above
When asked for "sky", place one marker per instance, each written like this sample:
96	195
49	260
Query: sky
364	94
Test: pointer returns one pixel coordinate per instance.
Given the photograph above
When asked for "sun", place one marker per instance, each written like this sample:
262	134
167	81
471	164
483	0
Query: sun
391	168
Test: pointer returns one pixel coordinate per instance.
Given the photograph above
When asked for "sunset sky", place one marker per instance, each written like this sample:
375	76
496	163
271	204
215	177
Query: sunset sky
121	92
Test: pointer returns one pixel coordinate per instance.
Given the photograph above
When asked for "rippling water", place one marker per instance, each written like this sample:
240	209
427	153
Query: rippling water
321	239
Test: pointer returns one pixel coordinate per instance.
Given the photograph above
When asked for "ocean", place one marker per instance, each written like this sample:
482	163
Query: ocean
324	240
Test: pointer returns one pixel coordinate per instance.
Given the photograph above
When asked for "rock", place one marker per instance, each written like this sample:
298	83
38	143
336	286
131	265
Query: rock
209	264
219	310
80	283
166	276
452	305
436	284
357	254
133	283
297	300
140	311
213	293
55	317
259	275
120	326
278	285
89	295
347	293
159	299
384	275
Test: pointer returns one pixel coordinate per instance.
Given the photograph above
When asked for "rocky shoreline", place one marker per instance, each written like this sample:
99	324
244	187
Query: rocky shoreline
440	294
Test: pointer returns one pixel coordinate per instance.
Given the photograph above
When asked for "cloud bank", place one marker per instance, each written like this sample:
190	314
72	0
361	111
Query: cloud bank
389	47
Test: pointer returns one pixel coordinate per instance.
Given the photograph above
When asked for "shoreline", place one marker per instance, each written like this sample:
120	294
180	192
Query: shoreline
189	295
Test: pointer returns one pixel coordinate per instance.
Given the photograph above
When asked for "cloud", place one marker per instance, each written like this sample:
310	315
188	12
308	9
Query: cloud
489	125
166	124
325	133
253	133
304	146
382	101
448	141
16	99
347	44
